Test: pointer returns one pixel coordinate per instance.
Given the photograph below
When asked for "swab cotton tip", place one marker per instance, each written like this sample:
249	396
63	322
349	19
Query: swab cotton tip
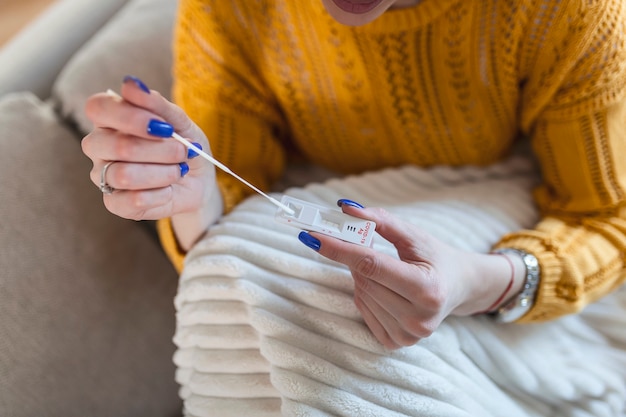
113	94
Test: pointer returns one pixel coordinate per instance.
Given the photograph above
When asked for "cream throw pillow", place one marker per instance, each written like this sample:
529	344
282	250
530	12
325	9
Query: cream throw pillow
137	41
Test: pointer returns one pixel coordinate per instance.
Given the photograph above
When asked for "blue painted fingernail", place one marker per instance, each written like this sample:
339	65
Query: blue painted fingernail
138	83
346	202
160	129
191	153
310	241
184	168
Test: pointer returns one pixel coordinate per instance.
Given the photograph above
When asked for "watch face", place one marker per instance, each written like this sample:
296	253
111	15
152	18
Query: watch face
522	302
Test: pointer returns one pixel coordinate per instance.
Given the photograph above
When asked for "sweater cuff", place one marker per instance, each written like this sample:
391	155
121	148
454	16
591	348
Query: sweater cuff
169	243
549	301
232	194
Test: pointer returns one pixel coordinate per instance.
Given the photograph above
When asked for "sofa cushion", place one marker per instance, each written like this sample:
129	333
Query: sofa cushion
86	298
33	58
137	41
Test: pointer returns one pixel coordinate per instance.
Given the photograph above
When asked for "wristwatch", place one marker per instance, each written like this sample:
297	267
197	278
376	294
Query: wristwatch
524	300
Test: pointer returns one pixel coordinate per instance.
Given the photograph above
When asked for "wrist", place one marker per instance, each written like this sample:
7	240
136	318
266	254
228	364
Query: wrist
492	279
189	227
521	303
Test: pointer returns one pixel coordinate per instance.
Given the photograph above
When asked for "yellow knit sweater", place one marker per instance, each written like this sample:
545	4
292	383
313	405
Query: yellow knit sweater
445	82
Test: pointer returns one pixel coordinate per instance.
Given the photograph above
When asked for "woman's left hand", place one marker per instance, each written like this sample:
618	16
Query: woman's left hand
404	300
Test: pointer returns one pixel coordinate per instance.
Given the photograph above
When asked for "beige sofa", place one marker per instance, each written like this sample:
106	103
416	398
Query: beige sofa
86	298
87	313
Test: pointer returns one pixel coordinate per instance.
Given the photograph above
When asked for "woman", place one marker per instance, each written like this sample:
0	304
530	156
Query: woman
363	85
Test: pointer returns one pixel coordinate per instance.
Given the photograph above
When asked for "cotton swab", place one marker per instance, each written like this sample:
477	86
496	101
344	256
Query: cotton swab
217	163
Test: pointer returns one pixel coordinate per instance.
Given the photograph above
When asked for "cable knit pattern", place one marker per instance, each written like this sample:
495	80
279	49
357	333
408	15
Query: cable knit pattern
446	82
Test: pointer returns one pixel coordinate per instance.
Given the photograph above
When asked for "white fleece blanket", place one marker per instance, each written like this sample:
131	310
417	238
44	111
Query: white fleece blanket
267	327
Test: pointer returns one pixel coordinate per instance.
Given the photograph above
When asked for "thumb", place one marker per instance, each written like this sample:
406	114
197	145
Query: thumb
409	240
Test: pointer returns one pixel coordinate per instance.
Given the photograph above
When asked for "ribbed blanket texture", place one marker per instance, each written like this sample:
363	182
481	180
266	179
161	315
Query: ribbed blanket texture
267	327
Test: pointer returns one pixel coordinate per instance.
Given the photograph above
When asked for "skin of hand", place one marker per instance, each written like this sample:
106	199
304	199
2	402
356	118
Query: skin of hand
149	180
404	300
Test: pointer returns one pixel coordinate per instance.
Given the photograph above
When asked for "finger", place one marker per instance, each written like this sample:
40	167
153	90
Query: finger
408	320
372	322
106	111
411	242
393	334
140	205
157	203
133	176
155	103
110	145
399	276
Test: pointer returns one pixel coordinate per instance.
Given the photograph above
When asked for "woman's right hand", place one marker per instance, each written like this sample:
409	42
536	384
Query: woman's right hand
153	176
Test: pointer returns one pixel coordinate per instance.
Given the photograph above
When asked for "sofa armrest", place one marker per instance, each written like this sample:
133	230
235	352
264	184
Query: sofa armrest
32	59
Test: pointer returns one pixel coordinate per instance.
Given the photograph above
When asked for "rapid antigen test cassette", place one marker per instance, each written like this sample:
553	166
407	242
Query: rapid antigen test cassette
328	221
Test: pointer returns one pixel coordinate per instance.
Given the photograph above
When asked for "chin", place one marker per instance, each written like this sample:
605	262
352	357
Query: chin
356	19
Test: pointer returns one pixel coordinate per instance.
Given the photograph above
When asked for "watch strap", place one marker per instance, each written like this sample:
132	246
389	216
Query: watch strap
521	303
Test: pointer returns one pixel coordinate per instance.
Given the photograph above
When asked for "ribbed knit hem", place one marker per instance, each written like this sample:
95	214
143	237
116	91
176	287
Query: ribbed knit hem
549	303
232	193
170	244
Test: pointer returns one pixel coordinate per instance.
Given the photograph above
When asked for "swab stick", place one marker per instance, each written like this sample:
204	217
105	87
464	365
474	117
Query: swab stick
217	163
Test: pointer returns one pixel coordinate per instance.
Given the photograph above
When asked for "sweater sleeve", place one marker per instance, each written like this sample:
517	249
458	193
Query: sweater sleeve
574	109
217	84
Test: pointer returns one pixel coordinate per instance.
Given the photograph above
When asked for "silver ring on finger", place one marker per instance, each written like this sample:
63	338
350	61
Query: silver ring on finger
104	186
